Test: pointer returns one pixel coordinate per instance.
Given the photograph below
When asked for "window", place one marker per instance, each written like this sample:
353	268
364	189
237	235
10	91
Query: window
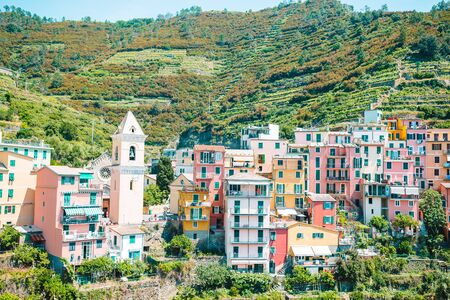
260	145
44	154
217	170
299	202
216	210
11	176
72	246
370	201
318	137
280	188
411	214
12	163
1	177
272	250
35	154
280	174
195	198
277	145
194	235
317	174
132	239
297	175
397	203
132	154
357	187
366	162
328	205
299	235
317	162
66	199
328	220
93	199
317	149
405	166
436	172
378	149
317	235
195	224
25	152
410	203
388	165
216	185
317	188
67	180
279	201
298	188
261	158
436	159
131	185
308	137
357	173
10	193
99	244
273	235
1	195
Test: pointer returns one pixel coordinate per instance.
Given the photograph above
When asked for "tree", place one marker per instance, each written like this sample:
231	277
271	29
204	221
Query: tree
212	276
403	222
131	268
299	280
9	238
57	81
180	245
101	267
153	195
326	280
164	176
379	223
250	283
28	256
69	131
428	46
433	218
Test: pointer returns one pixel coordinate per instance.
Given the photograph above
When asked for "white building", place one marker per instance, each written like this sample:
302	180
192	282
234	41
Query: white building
372	116
247	221
40	152
269	132
127	190
184	161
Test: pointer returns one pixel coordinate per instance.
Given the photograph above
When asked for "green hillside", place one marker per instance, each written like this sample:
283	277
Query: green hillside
204	75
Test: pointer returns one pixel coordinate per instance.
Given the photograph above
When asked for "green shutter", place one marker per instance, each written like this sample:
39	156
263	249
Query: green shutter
192	213
200	213
13	209
1	176
72	180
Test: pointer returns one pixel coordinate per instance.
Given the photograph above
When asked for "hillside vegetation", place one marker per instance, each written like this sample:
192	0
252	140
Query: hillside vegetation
202	76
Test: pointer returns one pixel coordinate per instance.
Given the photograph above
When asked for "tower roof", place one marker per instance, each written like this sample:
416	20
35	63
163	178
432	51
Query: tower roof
129	125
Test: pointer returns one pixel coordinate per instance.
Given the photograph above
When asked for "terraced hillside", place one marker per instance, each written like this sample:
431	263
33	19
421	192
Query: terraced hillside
204	75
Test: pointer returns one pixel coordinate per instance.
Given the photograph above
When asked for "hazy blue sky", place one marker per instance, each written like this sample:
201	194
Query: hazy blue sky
122	10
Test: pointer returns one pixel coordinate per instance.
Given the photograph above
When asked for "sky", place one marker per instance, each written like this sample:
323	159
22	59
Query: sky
114	10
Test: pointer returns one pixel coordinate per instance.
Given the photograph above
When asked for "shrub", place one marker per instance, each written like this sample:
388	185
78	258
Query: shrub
250	283
9	238
171	266
102	268
212	276
180	245
28	256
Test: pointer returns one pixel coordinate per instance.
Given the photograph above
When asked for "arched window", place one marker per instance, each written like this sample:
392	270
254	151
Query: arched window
131	185
133	129
132	153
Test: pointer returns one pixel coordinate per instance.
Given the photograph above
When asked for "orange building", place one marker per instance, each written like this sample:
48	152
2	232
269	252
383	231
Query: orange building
194	212
396	129
437	159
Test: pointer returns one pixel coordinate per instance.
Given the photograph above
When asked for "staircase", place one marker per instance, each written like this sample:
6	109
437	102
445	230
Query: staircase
285	267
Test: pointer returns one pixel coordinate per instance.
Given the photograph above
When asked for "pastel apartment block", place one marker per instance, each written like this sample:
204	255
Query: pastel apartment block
38	151
68	210
194	213
184	159
288	184
404	200
278	245
396	128
17	189
239	161
209	175
322	210
269	132
247	222
437	163
181	182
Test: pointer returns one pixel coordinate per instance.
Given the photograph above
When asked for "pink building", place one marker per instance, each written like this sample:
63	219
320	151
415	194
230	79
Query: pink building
445	192
322	210
68	210
399	172
208	175
403	200
415	141
265	151
278	245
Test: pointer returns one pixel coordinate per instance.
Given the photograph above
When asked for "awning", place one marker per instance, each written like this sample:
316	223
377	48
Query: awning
74	211
302	251
321	251
86	176
37	238
412	190
92	211
286	211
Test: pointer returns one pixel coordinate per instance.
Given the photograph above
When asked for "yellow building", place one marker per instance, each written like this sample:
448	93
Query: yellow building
17	187
194	213
312	246
396	129
288	184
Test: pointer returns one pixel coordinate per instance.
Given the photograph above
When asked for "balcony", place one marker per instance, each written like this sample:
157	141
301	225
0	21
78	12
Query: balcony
194	218
237	256
240	194
89	187
260	240
69	236
247	211
239	225
209	175
77	220
339	178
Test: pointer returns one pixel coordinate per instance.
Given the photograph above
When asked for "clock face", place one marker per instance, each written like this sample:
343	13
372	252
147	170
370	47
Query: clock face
105	173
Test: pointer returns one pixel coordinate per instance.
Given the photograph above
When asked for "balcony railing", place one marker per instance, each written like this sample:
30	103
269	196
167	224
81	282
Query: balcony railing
205	175
238	256
240	225
343	178
194	218
78	220
89	186
247	211
259	240
77	236
238	194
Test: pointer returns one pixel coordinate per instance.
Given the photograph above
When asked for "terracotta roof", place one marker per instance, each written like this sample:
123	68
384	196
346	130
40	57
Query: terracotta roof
210	147
320	197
